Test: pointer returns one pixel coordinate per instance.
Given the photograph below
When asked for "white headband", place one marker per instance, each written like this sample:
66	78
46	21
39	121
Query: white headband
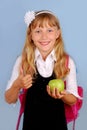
30	16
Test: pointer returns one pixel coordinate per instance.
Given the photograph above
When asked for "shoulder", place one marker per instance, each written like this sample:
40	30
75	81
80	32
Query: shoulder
17	63
71	62
18	60
15	72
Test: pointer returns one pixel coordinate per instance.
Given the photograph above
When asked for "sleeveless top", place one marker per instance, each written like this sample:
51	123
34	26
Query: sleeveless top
41	110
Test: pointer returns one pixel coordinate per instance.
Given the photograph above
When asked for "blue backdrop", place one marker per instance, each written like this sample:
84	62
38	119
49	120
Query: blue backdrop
73	20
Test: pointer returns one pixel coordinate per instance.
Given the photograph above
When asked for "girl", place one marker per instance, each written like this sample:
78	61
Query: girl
43	58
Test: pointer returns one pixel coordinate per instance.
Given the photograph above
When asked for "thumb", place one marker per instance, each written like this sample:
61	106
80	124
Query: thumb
21	72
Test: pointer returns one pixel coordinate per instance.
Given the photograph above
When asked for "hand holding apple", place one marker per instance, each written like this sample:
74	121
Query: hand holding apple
56	83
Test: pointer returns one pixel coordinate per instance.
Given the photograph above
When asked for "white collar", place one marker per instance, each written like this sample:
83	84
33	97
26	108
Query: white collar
38	54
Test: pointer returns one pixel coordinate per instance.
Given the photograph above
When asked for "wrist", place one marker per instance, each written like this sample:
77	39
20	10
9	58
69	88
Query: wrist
17	85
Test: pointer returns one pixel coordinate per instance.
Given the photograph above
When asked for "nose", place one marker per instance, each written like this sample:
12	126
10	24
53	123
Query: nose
44	35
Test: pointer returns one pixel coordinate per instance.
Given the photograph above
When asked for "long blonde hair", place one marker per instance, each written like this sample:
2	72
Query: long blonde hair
28	63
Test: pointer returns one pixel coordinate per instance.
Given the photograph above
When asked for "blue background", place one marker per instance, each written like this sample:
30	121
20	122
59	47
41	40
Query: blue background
73	19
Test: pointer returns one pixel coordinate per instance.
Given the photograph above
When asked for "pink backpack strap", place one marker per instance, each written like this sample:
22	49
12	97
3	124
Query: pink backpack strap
73	125
22	97
19	118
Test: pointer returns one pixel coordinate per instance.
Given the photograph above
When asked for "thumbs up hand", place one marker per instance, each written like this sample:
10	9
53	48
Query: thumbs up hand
24	80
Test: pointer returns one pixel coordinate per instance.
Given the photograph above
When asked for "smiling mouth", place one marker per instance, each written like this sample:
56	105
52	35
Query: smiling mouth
44	43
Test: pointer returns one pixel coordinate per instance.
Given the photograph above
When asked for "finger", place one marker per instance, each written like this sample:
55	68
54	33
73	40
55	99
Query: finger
53	93
57	92
63	92
48	89
27	81
28	84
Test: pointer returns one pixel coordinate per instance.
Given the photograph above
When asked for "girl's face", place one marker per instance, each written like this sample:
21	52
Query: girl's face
44	38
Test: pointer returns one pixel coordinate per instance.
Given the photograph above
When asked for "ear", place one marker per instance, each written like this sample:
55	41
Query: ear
58	33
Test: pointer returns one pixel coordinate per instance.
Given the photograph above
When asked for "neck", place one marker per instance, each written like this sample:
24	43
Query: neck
44	55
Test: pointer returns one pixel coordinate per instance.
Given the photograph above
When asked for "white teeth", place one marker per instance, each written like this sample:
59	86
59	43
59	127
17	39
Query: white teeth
44	43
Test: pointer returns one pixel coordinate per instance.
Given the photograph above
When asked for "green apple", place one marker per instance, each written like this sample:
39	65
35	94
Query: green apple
56	83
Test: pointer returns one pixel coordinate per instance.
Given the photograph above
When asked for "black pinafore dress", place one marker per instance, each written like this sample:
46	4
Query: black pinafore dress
42	112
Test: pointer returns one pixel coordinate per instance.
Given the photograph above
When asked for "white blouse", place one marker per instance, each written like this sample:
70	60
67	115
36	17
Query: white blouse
45	68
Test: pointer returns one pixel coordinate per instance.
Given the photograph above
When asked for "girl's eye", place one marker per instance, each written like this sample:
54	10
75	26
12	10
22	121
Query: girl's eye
50	30
37	31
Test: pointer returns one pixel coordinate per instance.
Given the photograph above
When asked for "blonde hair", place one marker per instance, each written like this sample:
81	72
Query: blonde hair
42	19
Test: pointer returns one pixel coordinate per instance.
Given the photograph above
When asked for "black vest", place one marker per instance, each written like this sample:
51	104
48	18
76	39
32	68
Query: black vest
41	110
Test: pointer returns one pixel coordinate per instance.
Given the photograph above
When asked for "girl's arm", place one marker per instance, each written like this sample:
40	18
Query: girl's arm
11	94
22	82
71	84
12	89
17	82
69	99
70	95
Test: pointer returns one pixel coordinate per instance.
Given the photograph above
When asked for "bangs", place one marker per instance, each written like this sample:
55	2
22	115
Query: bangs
45	19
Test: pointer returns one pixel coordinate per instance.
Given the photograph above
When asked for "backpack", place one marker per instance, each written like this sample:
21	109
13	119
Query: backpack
71	112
